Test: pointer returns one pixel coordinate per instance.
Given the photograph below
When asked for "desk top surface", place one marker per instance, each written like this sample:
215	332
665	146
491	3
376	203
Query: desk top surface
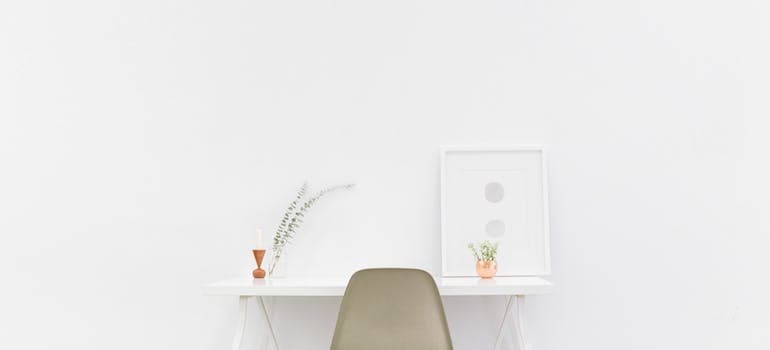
449	286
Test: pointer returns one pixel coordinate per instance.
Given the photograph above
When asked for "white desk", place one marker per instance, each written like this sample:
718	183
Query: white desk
513	288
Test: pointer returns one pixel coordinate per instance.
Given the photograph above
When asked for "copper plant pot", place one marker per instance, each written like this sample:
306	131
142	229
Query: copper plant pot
486	268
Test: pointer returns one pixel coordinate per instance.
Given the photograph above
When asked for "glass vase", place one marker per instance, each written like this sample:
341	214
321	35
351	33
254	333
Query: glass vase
278	267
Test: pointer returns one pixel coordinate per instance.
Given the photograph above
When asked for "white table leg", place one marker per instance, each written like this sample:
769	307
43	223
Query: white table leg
242	303
520	323
265	341
508	304
269	322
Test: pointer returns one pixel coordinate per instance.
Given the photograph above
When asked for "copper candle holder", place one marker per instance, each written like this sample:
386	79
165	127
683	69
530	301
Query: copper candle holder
259	254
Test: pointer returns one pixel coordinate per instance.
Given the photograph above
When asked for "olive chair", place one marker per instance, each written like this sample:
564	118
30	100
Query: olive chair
391	309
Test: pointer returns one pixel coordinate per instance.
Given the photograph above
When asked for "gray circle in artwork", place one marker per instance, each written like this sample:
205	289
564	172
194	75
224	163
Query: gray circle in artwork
494	192
495	228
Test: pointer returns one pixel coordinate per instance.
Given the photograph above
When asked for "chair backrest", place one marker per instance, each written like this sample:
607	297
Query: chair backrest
391	309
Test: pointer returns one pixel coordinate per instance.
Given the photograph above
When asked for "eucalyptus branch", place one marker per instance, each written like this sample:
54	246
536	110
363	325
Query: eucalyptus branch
296	220
293	218
281	231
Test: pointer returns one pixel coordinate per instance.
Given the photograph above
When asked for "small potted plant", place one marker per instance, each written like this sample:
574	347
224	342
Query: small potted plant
486	258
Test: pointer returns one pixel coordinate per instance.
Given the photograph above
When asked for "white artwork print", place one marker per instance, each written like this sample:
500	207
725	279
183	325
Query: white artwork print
498	195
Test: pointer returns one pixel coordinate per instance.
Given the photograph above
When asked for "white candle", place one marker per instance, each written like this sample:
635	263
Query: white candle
259	240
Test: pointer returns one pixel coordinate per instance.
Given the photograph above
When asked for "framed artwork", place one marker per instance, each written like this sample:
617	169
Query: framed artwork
498	194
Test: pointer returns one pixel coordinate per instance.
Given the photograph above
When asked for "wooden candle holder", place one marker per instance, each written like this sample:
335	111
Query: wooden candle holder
259	254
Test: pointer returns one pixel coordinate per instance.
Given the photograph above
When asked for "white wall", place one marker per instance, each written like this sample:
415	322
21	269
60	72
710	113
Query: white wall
142	141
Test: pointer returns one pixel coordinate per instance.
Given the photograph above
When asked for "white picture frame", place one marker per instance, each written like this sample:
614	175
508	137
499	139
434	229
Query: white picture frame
499	194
